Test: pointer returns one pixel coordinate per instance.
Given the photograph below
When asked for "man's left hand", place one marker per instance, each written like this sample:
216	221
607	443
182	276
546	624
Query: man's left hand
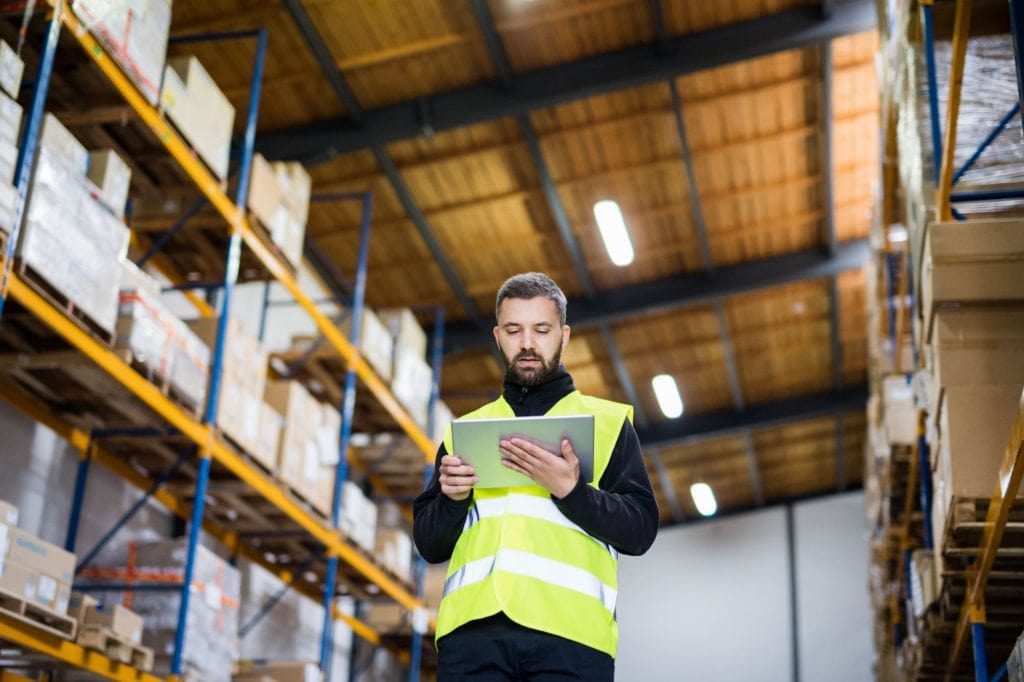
556	473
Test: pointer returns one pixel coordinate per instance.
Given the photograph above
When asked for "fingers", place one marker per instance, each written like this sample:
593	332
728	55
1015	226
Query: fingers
454	466
511	464
567	452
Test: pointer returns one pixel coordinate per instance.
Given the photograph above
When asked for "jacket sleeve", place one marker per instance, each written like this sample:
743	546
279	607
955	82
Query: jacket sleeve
623	512
437	518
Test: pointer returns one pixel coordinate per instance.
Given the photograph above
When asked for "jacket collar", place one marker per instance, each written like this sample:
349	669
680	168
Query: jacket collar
537	400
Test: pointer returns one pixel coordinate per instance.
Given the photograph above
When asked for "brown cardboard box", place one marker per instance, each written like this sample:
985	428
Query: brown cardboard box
974	345
39	555
8	515
79	605
269	443
972	262
18	580
279	671
376	343
264	191
975	424
406	330
301	420
118	619
112	178
212	115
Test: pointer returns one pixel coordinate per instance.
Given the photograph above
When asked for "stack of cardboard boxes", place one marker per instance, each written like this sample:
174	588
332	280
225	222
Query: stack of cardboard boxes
134	33
201	112
11	68
242	383
171	354
278	671
972	286
70	239
32	569
376	343
297	458
211	636
393	550
358	516
279	198
412	377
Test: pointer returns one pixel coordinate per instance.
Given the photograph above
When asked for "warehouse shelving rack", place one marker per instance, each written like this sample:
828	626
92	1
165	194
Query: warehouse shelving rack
971	615
207	444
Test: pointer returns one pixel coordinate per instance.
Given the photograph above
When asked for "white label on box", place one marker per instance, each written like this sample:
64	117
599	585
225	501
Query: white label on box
212	594
47	589
30	590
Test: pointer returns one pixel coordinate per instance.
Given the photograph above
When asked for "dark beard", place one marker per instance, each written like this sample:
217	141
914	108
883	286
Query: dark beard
536	377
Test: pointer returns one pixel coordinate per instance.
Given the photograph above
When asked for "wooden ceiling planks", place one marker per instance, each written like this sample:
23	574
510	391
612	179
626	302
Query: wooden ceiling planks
690	16
796	456
783	340
853	325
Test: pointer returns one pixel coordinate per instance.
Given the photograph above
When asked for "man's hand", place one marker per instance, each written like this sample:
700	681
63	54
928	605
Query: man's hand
556	473
457	477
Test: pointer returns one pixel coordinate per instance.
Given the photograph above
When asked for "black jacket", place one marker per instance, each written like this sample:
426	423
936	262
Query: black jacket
622	513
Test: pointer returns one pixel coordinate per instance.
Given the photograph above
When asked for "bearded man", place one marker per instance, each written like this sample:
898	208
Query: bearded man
532	580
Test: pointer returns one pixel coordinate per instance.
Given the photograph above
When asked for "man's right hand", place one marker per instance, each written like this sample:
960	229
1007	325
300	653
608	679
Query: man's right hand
457	477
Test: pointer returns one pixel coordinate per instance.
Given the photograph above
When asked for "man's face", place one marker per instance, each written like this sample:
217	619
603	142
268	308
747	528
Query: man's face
531	338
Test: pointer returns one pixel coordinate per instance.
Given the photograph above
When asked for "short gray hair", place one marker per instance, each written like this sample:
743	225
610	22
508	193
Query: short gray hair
532	285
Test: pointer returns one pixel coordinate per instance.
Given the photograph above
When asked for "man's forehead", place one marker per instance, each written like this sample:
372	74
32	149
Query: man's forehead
528	311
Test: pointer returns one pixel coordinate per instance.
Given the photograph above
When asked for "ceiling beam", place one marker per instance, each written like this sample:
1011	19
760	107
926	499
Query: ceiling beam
322	54
678	291
575	80
763	415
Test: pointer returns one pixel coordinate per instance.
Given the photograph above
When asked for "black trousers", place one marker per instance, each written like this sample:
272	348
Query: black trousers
497	650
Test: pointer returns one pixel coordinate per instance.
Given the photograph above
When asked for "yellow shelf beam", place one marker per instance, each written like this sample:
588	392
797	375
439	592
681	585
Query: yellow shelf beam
1011	473
70	653
236	219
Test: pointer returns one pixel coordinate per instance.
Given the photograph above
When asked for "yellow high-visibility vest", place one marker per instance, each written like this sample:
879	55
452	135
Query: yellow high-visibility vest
519	554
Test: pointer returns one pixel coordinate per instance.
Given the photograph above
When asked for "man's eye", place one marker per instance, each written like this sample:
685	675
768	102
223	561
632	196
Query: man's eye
512	332
543	331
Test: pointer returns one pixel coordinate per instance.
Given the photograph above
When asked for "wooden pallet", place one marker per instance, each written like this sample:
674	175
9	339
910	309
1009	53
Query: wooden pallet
116	647
963	530
39	617
38	283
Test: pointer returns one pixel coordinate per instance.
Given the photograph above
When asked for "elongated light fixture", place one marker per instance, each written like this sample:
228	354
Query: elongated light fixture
667	393
613	232
704	499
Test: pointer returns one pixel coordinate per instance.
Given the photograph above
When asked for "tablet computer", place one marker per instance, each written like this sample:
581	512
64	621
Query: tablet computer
476	441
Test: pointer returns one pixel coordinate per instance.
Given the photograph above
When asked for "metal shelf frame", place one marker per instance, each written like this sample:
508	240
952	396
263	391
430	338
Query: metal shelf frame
971	619
203	434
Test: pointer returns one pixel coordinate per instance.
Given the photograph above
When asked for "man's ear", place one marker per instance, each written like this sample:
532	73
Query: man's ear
496	336
566	331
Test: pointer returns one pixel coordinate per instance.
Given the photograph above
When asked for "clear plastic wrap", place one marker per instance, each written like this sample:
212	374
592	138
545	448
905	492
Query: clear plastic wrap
211	638
73	242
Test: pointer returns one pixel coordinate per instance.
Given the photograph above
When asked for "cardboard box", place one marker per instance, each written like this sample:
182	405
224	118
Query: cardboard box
406	331
11	69
35	554
269	443
117	619
393	549
64	146
8	162
10	119
412	382
53	594
80	604
176	103
301	420
19	580
980	261
279	671
973	346
212	117
135	33
8	516
900	412
296	187
975	424
8	200
112	178
328	435
264	191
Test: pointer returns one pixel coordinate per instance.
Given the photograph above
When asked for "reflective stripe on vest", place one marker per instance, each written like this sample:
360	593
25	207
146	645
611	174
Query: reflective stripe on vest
541	508
533	566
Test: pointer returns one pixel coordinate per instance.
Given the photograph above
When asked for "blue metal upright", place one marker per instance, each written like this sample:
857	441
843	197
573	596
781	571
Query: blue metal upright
81	478
1017	27
348	408
933	90
29	143
436	361
924	467
980	658
230	279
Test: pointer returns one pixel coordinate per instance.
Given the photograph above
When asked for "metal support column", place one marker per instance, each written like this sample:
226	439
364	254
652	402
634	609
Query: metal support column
27	154
1017	27
436	361
933	87
213	393
794	624
348	407
81	478
924	469
978	639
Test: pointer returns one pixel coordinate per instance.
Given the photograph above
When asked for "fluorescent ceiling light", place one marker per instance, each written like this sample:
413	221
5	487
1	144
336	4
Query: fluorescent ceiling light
667	393
614	232
704	499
